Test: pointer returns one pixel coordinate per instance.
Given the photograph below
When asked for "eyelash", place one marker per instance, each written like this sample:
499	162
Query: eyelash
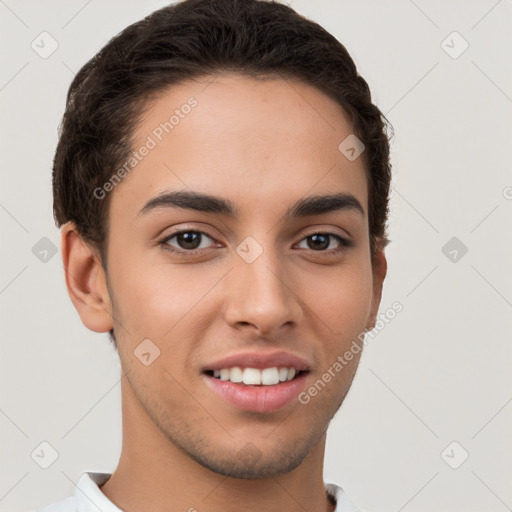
344	243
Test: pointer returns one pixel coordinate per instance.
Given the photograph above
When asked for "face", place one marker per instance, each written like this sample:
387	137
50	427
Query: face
244	286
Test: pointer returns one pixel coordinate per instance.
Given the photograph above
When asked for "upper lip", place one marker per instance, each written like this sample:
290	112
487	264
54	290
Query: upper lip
260	360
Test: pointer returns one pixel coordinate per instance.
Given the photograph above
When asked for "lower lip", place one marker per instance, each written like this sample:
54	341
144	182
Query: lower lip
258	398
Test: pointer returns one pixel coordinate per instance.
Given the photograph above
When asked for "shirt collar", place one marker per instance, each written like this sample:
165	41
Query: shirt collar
343	504
88	495
89	498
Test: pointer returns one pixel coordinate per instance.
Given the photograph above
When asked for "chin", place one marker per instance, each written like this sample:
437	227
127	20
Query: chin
251	464
254	460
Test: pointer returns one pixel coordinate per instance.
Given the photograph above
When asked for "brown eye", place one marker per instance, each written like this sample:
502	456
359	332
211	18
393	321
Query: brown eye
186	241
318	242
323	243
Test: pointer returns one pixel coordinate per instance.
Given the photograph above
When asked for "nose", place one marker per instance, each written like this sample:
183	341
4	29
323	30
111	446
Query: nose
261	295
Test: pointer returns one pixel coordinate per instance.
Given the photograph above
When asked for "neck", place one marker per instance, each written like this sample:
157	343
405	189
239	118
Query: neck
154	474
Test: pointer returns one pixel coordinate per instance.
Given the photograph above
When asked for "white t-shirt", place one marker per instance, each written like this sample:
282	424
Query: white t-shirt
89	498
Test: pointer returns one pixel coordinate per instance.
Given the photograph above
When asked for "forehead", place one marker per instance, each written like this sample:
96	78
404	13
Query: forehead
248	139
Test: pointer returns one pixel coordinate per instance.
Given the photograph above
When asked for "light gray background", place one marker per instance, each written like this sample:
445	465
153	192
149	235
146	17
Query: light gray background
438	373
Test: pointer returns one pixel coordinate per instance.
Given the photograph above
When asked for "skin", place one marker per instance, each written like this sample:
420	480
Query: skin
254	142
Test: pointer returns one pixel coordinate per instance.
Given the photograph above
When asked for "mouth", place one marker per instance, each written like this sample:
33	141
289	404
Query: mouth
256	377
258	382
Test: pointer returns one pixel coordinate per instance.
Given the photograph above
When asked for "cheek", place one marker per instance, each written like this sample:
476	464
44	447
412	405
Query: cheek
342	301
152	298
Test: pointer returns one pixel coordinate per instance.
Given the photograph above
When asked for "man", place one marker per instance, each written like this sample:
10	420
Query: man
222	181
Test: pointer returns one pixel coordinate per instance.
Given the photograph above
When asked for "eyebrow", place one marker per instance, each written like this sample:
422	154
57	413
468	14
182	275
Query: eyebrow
306	207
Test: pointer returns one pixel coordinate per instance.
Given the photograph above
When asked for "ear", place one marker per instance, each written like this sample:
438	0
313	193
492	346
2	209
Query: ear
379	270
86	281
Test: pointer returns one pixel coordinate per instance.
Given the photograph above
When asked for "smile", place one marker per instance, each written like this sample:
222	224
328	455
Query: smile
256	376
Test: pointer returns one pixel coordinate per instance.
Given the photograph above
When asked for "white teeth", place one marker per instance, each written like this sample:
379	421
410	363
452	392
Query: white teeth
236	374
270	376
255	376
252	376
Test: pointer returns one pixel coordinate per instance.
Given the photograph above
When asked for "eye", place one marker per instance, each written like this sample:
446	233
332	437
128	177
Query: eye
319	242
186	240
189	241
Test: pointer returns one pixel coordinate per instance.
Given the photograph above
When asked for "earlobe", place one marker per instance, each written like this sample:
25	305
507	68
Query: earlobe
379	270
85	281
